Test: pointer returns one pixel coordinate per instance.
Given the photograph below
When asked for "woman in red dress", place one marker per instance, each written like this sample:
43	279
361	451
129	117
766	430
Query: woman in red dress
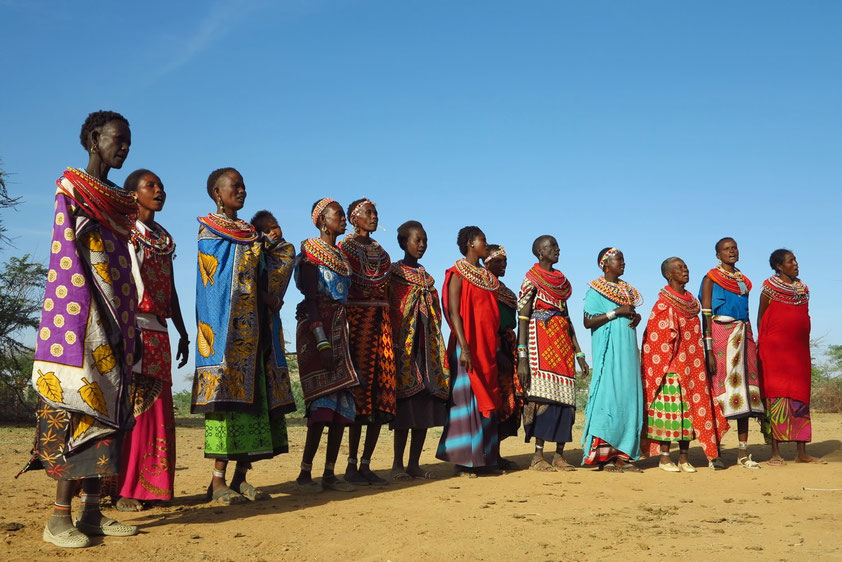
784	351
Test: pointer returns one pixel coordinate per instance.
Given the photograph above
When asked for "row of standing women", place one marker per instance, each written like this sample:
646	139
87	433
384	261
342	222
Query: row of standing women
370	350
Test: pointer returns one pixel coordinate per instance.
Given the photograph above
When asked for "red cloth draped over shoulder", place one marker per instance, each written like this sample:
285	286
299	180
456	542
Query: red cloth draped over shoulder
672	343
480	322
783	345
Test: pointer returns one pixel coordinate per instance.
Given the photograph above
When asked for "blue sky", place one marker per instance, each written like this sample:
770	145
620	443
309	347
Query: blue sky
657	127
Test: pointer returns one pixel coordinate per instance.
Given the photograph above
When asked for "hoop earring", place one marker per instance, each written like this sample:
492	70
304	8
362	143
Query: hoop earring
93	149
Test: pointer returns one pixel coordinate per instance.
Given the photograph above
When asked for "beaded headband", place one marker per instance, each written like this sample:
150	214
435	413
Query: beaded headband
610	253
319	209
494	254
358	209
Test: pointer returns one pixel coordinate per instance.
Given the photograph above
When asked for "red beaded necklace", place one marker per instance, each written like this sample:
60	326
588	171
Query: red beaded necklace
319	252
686	304
620	292
237	230
412	275
476	275
113	207
795	293
732	281
155	240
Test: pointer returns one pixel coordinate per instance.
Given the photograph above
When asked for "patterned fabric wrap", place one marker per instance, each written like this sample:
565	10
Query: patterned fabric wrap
416	329
736	385
614	412
551	355
279	264
783	347
668	417
787	419
316	381
228	315
673	349
85	342
511	390
369	322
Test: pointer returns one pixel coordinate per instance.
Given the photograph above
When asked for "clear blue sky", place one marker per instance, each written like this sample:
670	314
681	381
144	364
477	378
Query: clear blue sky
658	127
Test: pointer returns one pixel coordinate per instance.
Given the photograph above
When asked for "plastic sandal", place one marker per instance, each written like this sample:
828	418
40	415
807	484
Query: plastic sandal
669	467
107	528
541	465
251	493
69	538
686	467
224	496
746	462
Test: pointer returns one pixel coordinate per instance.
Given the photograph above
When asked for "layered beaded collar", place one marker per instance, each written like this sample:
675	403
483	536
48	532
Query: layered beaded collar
620	292
686	304
113	207
734	282
236	230
319	252
553	283
370	263
154	240
413	275
788	293
476	275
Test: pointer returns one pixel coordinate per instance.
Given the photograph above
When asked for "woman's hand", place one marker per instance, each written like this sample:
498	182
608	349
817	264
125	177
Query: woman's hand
326	356
523	372
635	320
626	311
183	351
465	359
583	366
711	362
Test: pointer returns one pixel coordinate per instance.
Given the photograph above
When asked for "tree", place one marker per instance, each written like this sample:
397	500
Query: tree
6	202
21	291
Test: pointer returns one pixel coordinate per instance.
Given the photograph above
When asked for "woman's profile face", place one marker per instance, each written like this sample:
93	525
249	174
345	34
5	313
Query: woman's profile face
479	246
416	243
366	220
789	267
150	193
498	266
112	143
616	264
231	190
334	218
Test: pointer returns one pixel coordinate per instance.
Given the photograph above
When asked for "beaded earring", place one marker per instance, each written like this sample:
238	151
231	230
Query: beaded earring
220	208
93	149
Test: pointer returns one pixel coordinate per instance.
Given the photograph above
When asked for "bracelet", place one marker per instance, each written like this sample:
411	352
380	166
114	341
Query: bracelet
322	345
707	310
521	317
611	315
522	353
319	332
580	355
523	346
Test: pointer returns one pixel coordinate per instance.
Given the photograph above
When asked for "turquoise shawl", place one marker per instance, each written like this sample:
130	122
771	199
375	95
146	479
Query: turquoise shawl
615	402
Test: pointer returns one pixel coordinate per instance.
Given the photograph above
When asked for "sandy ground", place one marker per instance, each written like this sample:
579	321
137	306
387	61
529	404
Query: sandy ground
770	513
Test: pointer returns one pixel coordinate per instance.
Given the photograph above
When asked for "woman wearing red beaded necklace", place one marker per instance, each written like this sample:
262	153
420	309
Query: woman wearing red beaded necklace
783	346
242	278
731	353
469	296
371	344
85	346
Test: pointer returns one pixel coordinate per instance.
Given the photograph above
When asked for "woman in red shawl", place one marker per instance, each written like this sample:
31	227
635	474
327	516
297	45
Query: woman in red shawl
784	349
547	352
677	400
469	296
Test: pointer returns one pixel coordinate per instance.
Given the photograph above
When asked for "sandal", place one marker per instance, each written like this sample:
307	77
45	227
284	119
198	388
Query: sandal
251	493
716	464
686	467
335	484
813	460
427	475
541	465
562	466
628	467
107	528
776	462
310	487
224	496
401	476
746	462
69	538
123	505
464	472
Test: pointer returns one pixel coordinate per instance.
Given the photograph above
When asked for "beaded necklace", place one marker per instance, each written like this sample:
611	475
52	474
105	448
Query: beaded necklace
237	230
113	207
553	283
413	275
476	275
154	240
777	289
319	252
732	281
686	304
369	263
506	296
620	292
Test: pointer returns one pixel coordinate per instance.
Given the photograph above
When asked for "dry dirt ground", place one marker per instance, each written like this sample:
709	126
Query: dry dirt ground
784	513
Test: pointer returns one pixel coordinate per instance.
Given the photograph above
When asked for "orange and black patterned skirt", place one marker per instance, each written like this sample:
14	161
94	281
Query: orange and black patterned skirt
373	356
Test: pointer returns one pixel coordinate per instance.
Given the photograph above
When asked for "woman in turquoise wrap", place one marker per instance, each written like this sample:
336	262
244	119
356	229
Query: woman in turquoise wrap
614	414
